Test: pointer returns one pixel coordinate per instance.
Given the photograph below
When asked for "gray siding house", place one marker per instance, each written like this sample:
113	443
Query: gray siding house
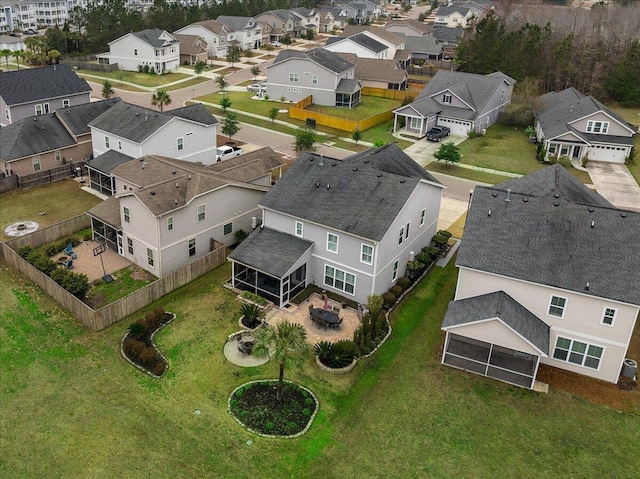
38	91
325	75
549	274
166	212
348	226
460	101
214	34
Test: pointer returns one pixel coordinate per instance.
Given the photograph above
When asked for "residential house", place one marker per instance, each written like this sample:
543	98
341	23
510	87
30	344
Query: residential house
348	226
424	48
166	212
187	133
392	41
155	48
13	44
360	12
548	274
578	126
42	142
463	102
449	38
360	44
214	34
193	49
409	28
323	74
459	15
245	32
282	23
306	19
38	91
328	21
374	73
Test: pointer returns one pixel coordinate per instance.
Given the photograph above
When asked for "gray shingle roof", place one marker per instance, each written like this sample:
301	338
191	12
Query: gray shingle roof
559	109
330	60
427	45
347	85
271	251
33	135
197	113
418	26
108	211
108	161
549	240
448	34
248	166
234	23
152	37
366	190
24	86
367	42
213	26
77	118
377	69
499	305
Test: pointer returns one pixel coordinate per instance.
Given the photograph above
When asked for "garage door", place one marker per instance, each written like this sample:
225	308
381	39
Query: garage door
458	127
611	154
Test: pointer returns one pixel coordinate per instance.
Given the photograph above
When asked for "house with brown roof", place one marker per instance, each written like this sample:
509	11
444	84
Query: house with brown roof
213	32
374	73
409	27
193	49
166	213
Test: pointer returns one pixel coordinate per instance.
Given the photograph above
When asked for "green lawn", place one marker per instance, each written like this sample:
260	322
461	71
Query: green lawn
368	107
505	148
142	79
72	407
454	170
59	201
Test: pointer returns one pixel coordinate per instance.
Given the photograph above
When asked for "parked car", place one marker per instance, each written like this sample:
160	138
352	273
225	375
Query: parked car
437	133
276	44
31	31
226	152
257	87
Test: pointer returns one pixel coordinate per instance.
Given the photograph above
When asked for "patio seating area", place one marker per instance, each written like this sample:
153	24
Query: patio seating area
238	350
82	260
317	332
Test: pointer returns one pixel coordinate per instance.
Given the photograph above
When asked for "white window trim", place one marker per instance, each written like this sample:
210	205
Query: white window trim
66	103
195	251
45	108
130	246
564	309
418	123
299	223
7	114
401	236
423	214
396	266
294	77
180	144
126	213
35	160
604	126
613	320
586	351
324	278
337	243
150	261
204	213
58	155
170	223
38	109
362	247
447	98
106	142
407	229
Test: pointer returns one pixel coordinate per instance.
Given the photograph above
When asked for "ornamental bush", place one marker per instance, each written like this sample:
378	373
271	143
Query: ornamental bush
389	298
404	283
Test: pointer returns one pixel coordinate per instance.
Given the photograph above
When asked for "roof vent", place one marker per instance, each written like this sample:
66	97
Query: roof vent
153	193
175	202
508	198
35	119
189	176
139	187
593	224
494	194
379	175
402	181
587	286
354	169
328	186
366	162
177	186
333	164
43	127
173	172
525	200
311	159
591	209
556	203
137	113
623	214
317	184
556	196
489	213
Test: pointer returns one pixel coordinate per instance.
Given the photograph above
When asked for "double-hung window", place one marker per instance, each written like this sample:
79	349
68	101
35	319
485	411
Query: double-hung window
366	254
38	109
314	79
338	279
578	352
58	155
106	141
180	144
299	228
294	77
169	223
332	242
597	126
35	161
401	236
130	245
406	231
192	247
127	214
422	215
150	257
395	271
201	213
609	316
557	306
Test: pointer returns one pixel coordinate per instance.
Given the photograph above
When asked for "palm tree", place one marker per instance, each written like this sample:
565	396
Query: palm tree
17	54
160	98
6	53
285	342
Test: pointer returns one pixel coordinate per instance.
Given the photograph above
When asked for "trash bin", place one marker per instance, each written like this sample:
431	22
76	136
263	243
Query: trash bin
629	368
311	123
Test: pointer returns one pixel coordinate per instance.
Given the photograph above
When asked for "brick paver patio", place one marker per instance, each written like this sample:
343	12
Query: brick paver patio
300	314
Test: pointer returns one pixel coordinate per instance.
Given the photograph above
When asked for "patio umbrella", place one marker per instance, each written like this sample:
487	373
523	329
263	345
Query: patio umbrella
326	299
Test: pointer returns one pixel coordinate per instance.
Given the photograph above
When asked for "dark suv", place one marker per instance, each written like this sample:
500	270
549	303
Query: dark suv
437	133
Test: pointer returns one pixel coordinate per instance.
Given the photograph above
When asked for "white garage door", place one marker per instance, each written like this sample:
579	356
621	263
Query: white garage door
611	154
457	127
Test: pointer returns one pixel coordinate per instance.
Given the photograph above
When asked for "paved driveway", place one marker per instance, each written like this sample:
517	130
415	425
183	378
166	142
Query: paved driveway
422	151
615	183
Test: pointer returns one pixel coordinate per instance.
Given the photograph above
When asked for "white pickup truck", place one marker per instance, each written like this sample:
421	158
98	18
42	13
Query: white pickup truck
226	152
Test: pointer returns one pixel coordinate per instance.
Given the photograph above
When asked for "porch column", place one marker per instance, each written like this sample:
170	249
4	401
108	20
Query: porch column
395	122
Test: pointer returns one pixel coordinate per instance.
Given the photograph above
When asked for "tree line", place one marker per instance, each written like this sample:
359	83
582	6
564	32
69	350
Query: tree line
596	51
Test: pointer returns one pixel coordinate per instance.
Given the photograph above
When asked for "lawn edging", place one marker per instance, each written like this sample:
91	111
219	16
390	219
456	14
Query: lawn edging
153	344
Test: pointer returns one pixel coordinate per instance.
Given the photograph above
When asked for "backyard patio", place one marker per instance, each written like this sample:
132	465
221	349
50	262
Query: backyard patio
86	263
300	314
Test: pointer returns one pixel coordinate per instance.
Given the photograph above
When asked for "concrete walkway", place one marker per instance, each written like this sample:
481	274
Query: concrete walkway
615	183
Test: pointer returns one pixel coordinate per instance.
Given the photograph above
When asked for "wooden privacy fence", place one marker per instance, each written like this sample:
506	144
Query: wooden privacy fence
299	112
106	316
386	93
8	183
48	176
87	63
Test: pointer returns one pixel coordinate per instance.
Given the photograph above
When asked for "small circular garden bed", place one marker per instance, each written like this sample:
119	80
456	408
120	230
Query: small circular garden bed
255	407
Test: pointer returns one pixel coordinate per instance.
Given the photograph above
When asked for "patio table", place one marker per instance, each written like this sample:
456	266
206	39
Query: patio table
321	316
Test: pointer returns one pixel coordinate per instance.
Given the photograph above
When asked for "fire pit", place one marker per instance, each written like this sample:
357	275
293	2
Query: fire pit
21	228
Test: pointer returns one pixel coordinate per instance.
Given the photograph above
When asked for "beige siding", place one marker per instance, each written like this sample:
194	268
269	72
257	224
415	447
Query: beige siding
582	317
615	128
198	147
496	332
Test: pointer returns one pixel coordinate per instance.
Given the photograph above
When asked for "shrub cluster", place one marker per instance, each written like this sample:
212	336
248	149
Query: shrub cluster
146	69
254	298
336	355
76	283
138	346
61	244
374	325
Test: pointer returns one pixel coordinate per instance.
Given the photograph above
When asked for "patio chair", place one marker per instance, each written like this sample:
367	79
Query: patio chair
337	326
335	309
68	264
68	251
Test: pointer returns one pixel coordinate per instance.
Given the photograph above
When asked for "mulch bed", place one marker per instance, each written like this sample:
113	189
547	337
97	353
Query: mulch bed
139	348
623	396
256	407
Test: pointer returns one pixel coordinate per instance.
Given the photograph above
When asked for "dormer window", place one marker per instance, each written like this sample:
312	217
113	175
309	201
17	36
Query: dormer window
597	126
446	98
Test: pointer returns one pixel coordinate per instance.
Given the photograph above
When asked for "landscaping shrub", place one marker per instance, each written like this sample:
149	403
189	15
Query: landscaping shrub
136	329
147	357
255	298
76	283
432	251
396	290
404	283
138	345
253	315
25	251
424	258
444	233
241	235
336	355
133	347
440	240
389	298
42	262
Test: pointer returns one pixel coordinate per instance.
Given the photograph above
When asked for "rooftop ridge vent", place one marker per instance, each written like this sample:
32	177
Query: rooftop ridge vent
525	200
591	209
494	194
556	203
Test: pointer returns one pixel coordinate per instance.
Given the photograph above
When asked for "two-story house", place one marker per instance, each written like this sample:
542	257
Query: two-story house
156	48
325	75
348	226
193	49
306	19
409	27
214	34
392	41
461	101
244	32
578	126
360	44
166	213
282	23
548	274
459	15
38	91
187	133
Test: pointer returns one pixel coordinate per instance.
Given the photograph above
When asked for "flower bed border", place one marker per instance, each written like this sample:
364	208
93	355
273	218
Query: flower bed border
336	371
274	436
153	343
